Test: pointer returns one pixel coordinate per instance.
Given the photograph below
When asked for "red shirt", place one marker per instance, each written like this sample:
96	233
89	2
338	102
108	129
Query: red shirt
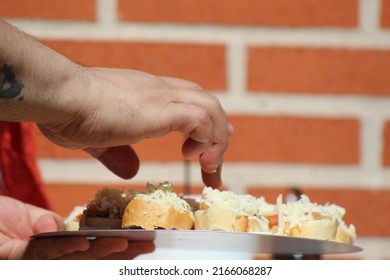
19	174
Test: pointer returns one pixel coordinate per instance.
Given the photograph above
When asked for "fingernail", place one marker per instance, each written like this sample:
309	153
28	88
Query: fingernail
212	170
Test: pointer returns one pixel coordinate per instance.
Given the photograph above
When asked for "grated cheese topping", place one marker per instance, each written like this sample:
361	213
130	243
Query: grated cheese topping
167	199
301	211
244	204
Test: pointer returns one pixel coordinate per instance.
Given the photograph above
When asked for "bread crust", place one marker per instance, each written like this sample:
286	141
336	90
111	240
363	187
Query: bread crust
342	236
319	229
152	214
215	218
256	224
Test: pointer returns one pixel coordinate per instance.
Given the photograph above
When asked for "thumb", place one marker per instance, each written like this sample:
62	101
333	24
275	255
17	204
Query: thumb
120	160
45	223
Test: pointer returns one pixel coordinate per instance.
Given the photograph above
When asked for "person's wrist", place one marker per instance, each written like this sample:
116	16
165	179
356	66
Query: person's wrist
64	96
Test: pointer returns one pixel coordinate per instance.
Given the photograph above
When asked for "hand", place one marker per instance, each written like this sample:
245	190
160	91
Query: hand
79	248
104	110
120	107
18	221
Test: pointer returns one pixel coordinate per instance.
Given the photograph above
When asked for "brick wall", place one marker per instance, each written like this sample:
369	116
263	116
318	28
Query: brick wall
306	84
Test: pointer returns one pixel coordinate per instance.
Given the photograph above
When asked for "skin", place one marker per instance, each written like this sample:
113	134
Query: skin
101	111
19	221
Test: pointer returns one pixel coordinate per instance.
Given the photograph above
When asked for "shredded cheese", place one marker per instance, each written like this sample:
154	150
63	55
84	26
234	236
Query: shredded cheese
167	200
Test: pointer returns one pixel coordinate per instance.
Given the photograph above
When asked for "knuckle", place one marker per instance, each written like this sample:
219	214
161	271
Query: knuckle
203	116
195	86
214	102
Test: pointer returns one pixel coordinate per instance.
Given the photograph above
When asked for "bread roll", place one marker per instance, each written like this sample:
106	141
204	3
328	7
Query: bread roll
258	224
303	218
324	229
345	235
228	211
159	209
154	214
215	218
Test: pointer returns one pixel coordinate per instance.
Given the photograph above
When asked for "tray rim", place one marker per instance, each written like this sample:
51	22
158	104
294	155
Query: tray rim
255	238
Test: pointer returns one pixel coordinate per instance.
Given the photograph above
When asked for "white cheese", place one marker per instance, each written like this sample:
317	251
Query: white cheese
167	200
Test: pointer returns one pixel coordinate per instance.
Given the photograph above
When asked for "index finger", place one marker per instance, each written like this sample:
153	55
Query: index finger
217	121
213	179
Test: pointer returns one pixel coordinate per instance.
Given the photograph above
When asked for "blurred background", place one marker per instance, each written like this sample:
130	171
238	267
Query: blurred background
306	84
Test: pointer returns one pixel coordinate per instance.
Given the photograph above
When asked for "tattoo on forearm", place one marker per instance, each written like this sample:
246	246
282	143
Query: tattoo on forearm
10	87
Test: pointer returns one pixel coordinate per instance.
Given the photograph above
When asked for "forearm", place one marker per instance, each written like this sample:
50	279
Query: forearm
32	77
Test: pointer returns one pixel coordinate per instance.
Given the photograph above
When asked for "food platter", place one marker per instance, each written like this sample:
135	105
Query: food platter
199	244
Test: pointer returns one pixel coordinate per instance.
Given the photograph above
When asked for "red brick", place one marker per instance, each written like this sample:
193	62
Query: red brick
364	208
385	15
319	70
167	148
244	12
201	63
49	9
386	144
284	139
